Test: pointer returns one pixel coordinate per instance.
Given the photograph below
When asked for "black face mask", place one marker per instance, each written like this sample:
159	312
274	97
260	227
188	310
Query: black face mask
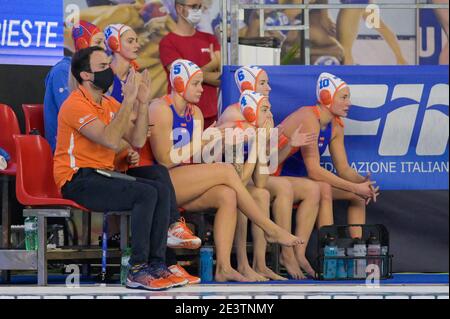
103	79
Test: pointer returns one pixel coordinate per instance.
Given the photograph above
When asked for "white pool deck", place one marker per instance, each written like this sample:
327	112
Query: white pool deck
235	291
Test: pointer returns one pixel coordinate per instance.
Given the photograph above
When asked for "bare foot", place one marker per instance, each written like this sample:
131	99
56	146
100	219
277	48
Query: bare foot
282	237
251	275
229	274
268	273
306	266
292	267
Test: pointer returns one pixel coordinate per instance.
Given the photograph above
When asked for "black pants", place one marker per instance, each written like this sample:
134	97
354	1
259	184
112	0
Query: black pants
147	200
161	174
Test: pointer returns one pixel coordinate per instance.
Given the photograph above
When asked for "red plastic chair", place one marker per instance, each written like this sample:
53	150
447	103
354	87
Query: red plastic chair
35	184
34	118
36	188
8	127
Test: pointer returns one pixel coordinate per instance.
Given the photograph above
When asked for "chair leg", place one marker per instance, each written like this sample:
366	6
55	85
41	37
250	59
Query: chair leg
123	232
6	221
86	229
104	245
86	239
42	251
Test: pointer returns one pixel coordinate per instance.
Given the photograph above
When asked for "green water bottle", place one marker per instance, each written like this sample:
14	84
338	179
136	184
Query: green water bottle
31	233
125	266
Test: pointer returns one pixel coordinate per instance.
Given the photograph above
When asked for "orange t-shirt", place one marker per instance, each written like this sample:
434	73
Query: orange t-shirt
146	155
73	150
145	158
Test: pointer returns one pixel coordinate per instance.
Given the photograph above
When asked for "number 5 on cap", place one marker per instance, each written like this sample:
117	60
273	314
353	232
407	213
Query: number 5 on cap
177	69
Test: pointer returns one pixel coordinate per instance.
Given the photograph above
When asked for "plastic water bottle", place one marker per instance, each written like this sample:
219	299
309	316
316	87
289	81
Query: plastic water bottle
206	264
330	264
60	237
374	249
385	261
31	233
341	264
360	250
350	263
125	266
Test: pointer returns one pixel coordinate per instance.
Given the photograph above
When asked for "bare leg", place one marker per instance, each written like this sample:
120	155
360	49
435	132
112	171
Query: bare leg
282	196
308	192
192	181
347	31
356	211
262	197
322	43
325	217
391	40
240	241
224	200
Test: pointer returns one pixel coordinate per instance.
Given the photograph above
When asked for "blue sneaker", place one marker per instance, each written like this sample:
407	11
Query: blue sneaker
140	278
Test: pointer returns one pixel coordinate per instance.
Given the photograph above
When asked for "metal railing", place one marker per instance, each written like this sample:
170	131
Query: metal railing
236	7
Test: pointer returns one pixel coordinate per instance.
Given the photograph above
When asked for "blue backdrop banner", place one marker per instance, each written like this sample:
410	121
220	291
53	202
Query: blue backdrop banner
397	128
31	32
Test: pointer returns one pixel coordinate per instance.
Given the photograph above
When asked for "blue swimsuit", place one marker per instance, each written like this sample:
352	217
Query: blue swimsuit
295	165
117	89
182	127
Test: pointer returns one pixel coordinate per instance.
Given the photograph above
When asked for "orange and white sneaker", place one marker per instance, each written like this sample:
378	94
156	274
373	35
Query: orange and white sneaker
160	270
179	271
180	236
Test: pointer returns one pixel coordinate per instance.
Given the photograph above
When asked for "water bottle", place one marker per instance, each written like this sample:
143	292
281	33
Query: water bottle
350	263
330	265
206	264
31	233
385	261
360	250
125	266
341	264
374	249
60	237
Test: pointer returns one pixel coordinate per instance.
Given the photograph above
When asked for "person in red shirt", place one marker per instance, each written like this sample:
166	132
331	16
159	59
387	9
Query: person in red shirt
201	48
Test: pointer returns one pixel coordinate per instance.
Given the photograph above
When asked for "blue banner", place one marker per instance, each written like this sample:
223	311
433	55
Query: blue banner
398	127
31	32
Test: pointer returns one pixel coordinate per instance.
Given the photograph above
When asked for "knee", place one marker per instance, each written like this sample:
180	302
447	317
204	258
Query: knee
145	193
326	192
261	195
226	197
283	190
313	192
226	171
